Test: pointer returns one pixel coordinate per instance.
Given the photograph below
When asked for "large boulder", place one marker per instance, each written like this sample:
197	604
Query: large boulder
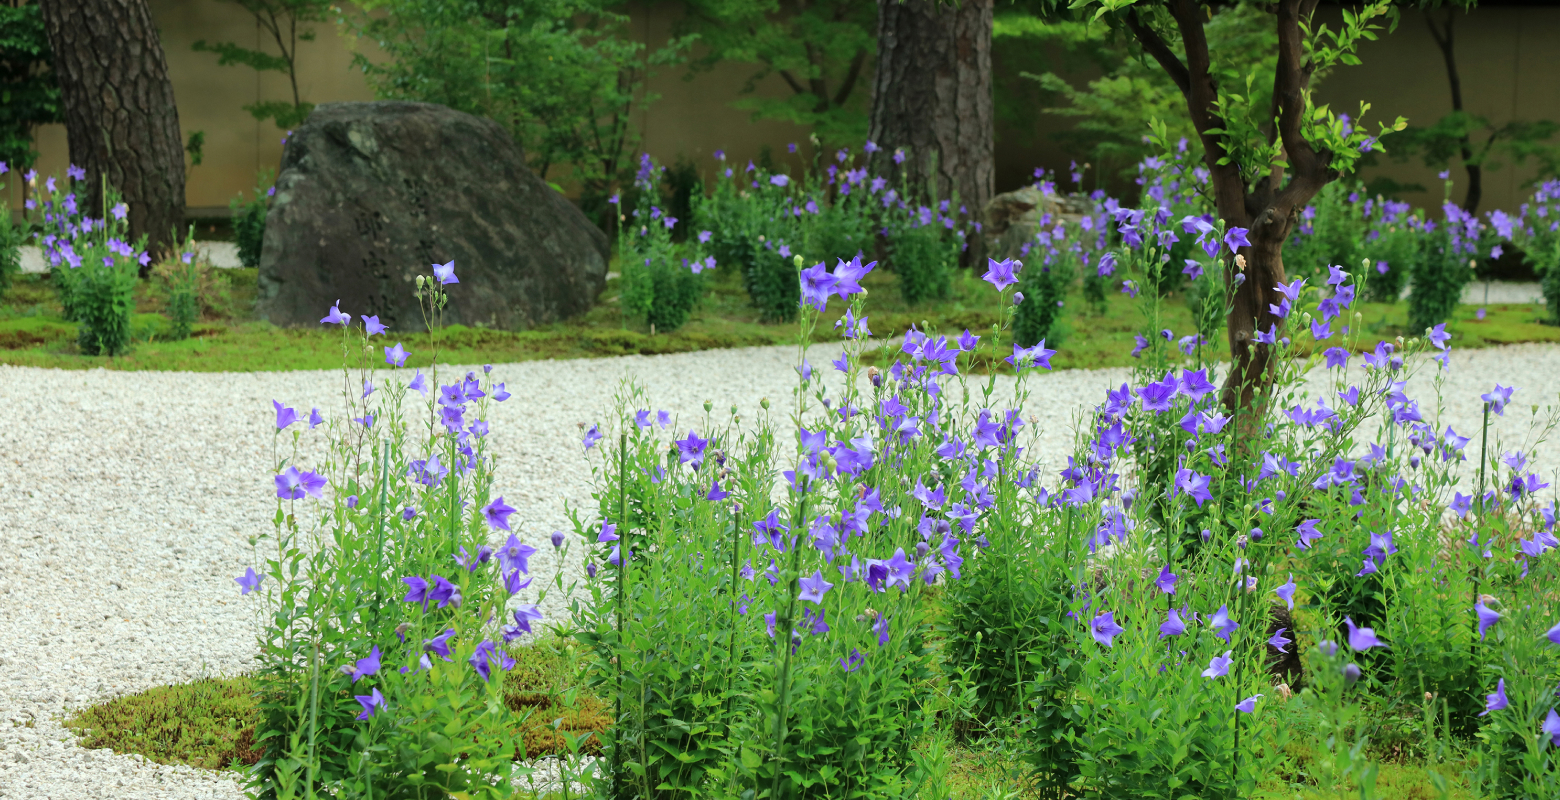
371	194
1013	218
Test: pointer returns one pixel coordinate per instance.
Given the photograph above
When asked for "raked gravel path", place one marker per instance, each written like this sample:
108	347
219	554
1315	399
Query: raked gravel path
127	500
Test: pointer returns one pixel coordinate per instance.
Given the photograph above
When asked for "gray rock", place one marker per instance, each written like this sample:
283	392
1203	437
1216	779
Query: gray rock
371	194
1013	218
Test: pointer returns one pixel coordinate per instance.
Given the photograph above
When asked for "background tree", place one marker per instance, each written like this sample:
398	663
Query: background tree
820	48
1114	111
1269	148
279	19
29	96
932	97
120	116
1454	135
560	75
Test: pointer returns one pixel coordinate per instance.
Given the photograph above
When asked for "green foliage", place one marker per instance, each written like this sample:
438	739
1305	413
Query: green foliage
1537	232
95	271
1114	111
925	258
12	237
562	76
751	231
280	19
822	51
181	275
1045	287
249	220
29	95
655	287
196	148
1449	255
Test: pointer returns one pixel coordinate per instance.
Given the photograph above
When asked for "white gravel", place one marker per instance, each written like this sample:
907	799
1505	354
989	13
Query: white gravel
218	254
127	499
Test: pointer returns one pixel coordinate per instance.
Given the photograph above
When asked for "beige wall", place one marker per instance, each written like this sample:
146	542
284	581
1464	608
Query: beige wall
1508	58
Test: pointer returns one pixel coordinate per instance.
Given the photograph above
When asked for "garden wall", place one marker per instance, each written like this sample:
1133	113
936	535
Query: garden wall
1505	53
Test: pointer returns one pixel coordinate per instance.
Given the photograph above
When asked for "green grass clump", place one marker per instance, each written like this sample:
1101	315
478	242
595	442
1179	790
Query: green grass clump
228	338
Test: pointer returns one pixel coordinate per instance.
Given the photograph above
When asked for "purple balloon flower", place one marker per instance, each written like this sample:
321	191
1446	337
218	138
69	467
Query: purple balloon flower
365	666
1496	701
396	356
249	581
284	416
445	272
1235	239
1166	580
1104	628
1000	273
1286	592
1219	666
1551	727
1221	623
497	514
1278	641
1487	617
1361	638
371	325
515	555
1249	705
814	587
335	317
371	703
817	284
1172	626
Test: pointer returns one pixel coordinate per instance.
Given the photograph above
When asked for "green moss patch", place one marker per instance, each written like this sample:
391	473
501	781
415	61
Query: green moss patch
211	723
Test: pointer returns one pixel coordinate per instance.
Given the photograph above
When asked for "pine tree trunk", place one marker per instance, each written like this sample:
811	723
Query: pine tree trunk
931	96
119	111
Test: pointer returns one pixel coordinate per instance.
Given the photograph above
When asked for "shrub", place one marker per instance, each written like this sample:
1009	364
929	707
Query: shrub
1044	286
12	236
1537	232
923	255
656	287
249	220
94	269
1448	256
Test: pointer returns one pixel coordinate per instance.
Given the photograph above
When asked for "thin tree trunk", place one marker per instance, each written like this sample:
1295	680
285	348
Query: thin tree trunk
119	110
1443	40
931	96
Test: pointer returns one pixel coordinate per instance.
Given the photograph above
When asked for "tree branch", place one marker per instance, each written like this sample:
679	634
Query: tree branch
850	77
1155	46
1202	96
790	81
1292	77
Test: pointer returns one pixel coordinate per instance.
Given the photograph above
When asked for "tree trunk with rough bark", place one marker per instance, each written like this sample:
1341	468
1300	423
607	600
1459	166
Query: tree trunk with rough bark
931	96
1268	206
119	111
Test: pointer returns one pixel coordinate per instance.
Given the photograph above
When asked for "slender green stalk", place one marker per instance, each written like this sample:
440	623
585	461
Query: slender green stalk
622	567
783	628
314	714
1484	441
379	545
731	654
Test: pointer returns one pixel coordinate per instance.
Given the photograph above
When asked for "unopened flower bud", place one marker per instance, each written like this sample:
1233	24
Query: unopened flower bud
1351	674
875	375
797	260
763	403
707	406
557	539
1018	297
